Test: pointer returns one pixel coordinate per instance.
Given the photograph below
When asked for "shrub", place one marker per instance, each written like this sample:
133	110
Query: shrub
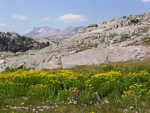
124	37
134	21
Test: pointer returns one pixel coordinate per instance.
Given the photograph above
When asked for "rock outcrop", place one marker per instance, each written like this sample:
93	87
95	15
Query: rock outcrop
104	55
118	40
17	43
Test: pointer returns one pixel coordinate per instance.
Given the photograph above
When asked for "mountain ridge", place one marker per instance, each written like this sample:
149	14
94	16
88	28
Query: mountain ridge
48	32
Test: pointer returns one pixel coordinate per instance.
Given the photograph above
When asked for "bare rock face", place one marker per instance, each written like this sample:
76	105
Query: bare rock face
103	55
130	29
118	40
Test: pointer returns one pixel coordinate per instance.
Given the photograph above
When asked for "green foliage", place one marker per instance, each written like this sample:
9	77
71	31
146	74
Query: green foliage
146	40
144	29
11	69
8	69
83	47
87	97
124	37
113	82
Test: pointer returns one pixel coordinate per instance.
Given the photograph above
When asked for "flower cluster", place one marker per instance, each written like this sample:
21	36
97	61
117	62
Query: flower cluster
65	84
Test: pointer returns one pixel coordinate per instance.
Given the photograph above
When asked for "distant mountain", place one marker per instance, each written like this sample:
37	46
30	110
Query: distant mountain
44	32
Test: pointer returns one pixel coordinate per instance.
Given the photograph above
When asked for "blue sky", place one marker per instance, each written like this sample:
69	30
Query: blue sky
22	15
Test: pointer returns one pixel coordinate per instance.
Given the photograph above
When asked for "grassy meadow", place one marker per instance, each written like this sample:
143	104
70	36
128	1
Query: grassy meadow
106	88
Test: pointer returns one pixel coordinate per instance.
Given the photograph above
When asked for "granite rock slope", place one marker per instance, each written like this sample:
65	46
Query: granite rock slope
123	39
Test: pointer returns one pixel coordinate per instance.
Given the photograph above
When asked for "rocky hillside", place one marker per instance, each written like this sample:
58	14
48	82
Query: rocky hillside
123	39
16	43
